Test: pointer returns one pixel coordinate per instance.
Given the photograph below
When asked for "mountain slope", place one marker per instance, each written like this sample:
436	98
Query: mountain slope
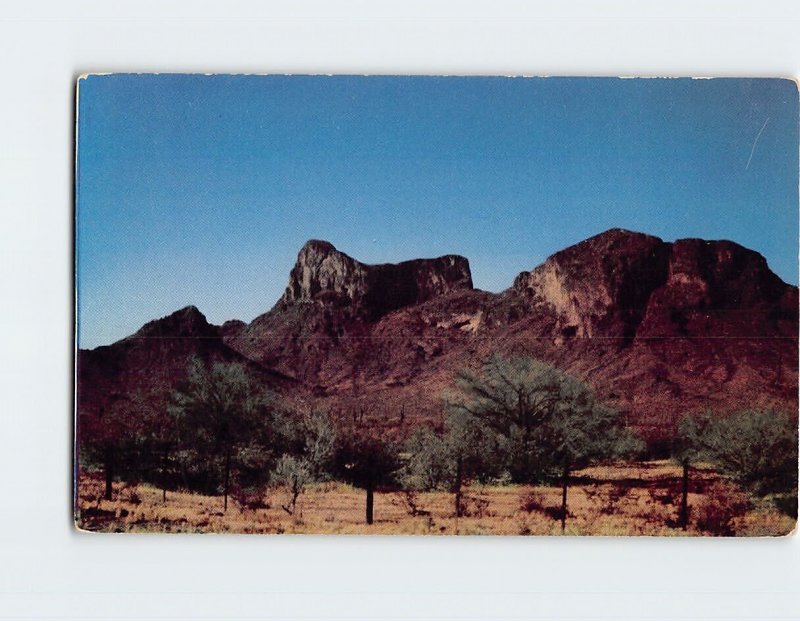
144	368
658	329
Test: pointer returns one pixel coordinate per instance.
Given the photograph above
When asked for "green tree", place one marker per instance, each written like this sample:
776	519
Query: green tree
687	449
319	443
367	462
159	441
514	397
110	436
466	451
580	432
428	466
552	422
312	440
755	448
223	419
758	450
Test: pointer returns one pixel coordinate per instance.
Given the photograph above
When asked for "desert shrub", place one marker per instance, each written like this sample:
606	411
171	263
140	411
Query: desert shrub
606	501
720	506
758	449
462	454
532	501
409	500
755	448
292	474
474	506
428	466
251	498
502	479
319	444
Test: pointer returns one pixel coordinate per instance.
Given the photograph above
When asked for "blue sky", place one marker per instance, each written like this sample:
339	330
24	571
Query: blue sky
201	189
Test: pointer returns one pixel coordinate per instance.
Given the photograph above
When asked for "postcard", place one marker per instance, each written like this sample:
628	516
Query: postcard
436	305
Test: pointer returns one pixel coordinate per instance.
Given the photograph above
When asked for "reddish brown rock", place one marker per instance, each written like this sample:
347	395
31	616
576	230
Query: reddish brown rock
323	274
144	368
601	286
658	329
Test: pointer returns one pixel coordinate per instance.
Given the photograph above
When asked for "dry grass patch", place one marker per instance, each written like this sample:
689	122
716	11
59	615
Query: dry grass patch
618	499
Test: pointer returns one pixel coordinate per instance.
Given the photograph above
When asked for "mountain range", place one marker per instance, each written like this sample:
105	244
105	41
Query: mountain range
658	330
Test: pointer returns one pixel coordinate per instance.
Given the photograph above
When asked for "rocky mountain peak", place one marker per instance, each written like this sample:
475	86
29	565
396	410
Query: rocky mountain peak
611	284
186	322
723	273
317	250
324	275
600	285
322	272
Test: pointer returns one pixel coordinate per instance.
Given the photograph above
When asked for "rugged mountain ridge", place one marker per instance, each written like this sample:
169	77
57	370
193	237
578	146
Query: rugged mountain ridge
325	275
619	284
657	328
601	286
142	369
330	304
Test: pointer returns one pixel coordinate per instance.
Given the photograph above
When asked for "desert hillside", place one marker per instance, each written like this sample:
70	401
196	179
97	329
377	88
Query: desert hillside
657	329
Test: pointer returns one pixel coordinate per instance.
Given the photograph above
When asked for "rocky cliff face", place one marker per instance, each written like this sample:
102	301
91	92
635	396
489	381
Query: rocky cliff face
719	288
323	274
662	329
322	325
601	286
621	284
638	318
